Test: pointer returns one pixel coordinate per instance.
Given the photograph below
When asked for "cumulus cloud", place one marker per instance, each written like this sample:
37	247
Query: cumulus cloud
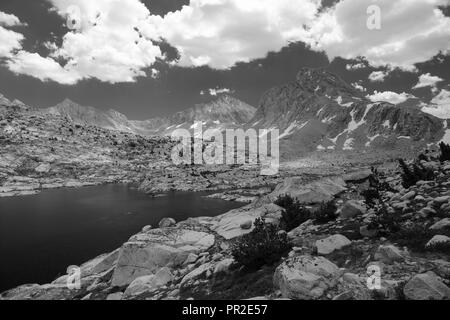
116	40
215	91
9	20
378	76
220	33
389	96
10	40
355	66
412	31
427	80
45	69
441	107
359	87
106	43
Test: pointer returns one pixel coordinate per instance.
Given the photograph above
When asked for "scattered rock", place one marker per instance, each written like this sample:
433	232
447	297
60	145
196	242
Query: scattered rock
409	195
147	253
115	296
43	168
306	277
229	224
223	266
167	223
246	225
439	239
347	295
352	209
191	278
192	258
426	287
323	190
443	224
331	244
149	283
389	254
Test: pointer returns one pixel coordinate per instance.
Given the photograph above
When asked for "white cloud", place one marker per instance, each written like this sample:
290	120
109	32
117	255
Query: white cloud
9	20
45	69
441	108
355	66
215	91
10	40
427	80
222	32
114	41
107	45
378	76
359	87
389	96
411	31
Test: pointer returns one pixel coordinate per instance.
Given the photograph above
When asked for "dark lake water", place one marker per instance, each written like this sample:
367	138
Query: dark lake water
41	235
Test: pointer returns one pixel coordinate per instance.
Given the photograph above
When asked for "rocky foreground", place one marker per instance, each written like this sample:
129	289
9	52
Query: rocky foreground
400	236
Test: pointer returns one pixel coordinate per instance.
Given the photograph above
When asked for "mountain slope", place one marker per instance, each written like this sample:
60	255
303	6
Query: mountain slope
319	112
224	112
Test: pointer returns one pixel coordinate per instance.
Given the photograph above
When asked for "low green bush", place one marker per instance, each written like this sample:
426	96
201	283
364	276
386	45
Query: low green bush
265	245
294	213
445	152
417	172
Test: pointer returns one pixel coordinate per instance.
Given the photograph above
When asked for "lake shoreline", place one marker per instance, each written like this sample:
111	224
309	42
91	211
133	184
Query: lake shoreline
108	213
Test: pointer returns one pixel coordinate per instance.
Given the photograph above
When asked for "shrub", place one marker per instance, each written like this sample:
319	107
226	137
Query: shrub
423	157
414	237
265	245
445	152
442	247
386	223
418	172
376	179
326	212
371	196
294	213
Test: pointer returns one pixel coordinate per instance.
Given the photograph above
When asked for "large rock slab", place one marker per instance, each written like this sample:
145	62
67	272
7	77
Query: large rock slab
146	253
100	264
323	190
426	286
306	277
234	223
357	176
331	244
149	283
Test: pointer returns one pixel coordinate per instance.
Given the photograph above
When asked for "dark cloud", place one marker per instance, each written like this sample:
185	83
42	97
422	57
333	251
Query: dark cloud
162	7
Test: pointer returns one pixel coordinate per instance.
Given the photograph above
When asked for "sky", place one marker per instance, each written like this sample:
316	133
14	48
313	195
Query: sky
156	57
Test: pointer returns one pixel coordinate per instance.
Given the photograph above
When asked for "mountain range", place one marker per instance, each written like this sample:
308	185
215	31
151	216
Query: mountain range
317	112
222	113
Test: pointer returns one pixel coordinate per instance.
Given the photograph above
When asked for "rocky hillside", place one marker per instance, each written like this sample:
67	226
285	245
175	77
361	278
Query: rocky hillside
6	105
319	112
224	112
51	151
400	235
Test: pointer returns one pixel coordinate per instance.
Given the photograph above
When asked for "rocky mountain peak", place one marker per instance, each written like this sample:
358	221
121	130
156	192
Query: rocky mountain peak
325	83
